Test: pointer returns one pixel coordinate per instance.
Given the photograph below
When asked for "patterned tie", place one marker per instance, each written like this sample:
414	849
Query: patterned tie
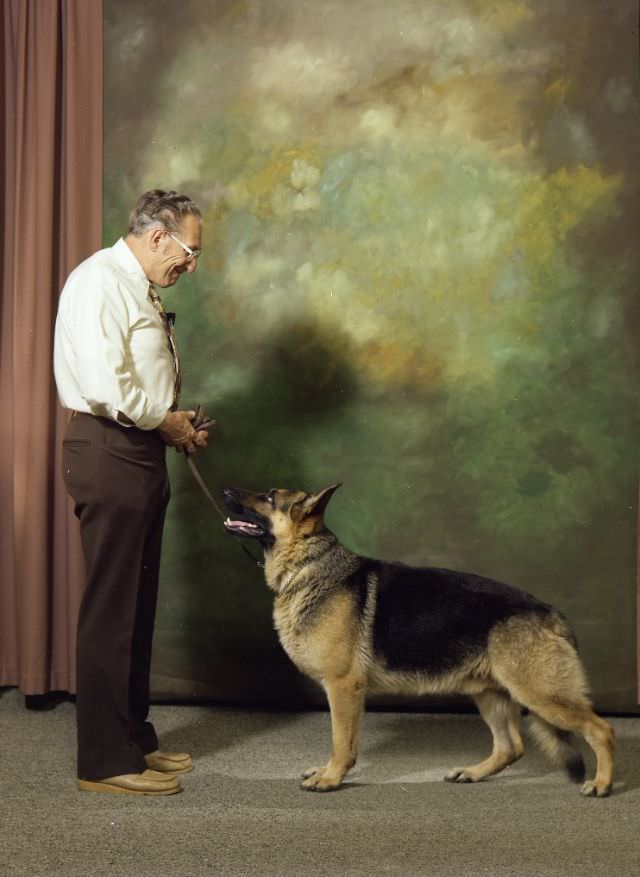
168	320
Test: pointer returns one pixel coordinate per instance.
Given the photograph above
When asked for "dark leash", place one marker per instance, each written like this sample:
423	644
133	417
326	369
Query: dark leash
202	422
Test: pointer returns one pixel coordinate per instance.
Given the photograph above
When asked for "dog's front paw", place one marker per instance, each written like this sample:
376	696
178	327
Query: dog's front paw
320	779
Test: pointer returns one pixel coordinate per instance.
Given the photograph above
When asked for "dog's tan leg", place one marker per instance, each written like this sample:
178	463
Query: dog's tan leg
346	701
546	676
599	735
502	716
580	719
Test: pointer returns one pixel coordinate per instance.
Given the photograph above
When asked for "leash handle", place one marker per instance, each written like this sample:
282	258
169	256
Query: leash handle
201	421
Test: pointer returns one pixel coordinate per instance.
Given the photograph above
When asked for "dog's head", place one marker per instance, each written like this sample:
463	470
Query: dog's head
275	516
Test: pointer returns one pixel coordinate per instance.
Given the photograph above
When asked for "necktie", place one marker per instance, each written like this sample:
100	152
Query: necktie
167	321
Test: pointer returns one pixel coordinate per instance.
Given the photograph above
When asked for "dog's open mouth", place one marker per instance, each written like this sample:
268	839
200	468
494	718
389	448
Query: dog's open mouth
243	521
240	527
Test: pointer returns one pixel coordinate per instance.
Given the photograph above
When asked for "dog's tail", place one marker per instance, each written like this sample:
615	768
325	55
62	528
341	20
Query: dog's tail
559	746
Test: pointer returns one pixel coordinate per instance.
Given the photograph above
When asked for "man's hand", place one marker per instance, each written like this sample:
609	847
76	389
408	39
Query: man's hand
178	432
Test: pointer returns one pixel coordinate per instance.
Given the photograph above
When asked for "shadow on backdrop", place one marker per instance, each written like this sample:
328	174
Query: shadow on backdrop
215	637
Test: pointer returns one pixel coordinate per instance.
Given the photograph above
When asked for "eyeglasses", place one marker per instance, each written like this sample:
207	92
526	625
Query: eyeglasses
191	254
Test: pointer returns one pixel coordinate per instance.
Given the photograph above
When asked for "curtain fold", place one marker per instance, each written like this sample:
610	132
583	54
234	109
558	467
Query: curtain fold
51	154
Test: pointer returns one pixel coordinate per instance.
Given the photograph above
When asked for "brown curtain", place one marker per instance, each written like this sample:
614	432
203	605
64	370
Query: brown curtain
51	157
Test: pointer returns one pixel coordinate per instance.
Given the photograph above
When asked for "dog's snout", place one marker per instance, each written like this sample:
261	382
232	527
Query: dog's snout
229	498
233	499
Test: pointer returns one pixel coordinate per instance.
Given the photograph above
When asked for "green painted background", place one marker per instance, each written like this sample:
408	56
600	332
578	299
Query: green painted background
420	278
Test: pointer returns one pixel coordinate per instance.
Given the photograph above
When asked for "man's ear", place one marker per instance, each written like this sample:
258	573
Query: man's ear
156	233
316	503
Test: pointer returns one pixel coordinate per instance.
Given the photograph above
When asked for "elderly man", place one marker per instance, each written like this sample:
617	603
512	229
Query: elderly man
116	367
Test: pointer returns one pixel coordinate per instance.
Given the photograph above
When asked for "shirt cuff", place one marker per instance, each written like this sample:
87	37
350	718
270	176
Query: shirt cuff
151	419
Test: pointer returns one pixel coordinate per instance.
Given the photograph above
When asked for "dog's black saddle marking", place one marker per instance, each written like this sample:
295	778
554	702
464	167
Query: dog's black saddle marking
432	620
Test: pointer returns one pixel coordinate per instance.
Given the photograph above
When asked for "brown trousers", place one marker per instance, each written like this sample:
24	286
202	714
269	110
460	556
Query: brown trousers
117	477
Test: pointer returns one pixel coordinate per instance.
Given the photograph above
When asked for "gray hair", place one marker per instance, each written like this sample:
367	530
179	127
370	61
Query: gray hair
164	209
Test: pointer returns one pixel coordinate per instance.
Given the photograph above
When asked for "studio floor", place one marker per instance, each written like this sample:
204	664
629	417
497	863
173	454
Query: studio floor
242	812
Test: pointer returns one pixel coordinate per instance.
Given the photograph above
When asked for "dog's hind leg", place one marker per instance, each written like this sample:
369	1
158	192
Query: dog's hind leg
546	676
502	715
579	718
346	702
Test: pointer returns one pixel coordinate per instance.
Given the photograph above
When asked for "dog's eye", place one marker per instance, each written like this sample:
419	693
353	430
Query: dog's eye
270	498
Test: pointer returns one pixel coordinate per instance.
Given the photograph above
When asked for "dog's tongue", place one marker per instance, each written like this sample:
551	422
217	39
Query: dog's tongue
240	525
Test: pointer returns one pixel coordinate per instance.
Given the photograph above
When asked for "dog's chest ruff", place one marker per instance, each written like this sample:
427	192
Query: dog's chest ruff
317	624
287	611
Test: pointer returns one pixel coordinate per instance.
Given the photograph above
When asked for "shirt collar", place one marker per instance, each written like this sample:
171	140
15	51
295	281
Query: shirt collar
128	261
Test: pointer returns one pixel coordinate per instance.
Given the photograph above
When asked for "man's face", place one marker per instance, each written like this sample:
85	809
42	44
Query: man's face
169	260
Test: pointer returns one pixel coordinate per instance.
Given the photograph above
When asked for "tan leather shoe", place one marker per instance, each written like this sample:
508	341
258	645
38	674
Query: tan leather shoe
149	782
169	762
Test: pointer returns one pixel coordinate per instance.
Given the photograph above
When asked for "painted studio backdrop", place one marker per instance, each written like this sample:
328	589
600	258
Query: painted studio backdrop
420	278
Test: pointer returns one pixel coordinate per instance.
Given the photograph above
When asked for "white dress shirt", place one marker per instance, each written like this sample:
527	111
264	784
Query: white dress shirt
111	356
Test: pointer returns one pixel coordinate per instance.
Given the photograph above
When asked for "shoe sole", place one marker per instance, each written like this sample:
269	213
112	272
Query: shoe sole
170	770
89	786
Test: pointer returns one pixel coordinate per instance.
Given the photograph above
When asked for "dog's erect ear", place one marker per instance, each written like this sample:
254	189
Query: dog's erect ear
315	504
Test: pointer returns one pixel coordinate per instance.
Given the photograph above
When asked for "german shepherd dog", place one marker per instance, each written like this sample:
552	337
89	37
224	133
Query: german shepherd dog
356	625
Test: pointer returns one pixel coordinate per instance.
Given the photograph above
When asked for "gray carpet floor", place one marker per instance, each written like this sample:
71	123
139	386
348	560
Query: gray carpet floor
242	812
